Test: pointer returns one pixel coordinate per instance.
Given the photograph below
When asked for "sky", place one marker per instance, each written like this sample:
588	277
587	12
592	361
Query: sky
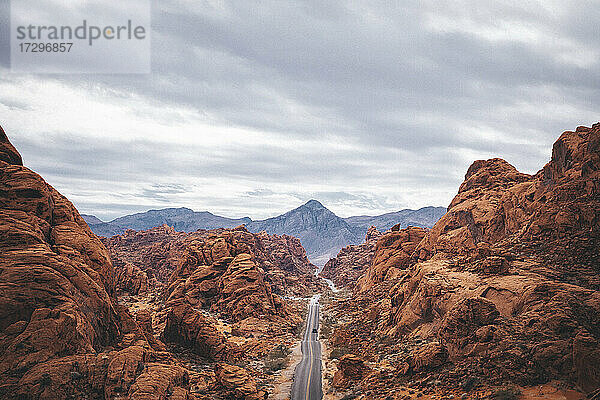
252	109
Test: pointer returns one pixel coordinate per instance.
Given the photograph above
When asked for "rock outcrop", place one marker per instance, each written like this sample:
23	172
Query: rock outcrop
62	333
504	288
393	254
237	384
351	368
219	275
352	261
165	255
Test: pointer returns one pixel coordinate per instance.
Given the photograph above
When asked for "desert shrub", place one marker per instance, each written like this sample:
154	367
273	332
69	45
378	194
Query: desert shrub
506	393
338	352
279	351
326	329
277	358
276	364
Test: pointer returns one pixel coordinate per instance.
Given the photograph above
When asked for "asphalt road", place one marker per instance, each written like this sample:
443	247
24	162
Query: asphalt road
307	377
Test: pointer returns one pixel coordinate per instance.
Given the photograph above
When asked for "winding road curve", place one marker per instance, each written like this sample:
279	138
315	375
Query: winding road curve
307	377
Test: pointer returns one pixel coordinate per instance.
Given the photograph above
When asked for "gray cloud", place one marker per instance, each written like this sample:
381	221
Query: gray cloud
367	106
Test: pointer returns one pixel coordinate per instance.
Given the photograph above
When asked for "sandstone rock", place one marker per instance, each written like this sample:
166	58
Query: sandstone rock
165	256
507	281
237	383
393	253
495	265
429	356
56	280
586	358
352	261
462	323
351	368
190	328
62	333
243	292
132	279
8	153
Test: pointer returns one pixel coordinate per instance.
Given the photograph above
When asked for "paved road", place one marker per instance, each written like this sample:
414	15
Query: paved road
307	377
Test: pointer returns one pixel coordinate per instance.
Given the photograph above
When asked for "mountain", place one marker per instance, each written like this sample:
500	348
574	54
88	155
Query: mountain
67	331
503	291
321	232
92	219
424	217
181	219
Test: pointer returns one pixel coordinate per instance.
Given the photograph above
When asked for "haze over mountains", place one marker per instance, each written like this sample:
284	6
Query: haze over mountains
321	232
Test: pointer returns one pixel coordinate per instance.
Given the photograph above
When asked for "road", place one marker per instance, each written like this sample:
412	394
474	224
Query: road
307	377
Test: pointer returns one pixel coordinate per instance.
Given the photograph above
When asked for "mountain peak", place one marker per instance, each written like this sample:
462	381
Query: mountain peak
314	204
8	153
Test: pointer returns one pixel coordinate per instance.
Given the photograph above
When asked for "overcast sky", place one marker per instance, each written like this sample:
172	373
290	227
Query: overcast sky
254	108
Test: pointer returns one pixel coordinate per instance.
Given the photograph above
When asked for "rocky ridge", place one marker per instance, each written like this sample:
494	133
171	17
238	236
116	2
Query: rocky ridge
73	325
321	232
62	333
352	261
503	289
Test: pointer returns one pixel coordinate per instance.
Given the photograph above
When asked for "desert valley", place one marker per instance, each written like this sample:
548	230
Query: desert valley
497	297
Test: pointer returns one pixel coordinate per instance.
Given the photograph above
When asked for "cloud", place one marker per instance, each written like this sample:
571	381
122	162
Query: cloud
367	106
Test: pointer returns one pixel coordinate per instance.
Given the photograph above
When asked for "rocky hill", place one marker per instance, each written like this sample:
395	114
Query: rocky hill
74	326
148	260
352	261
182	219
321	232
424	217
504	289
62	332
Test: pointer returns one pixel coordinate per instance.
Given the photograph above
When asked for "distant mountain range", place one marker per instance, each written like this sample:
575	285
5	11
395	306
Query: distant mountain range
321	232
181	219
424	217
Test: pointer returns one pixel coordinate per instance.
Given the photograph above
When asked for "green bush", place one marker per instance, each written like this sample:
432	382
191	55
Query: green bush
276	364
338	352
277	358
507	393
279	351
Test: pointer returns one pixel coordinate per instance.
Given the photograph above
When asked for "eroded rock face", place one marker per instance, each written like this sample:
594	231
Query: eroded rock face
393	254
213	292
233	289
164	255
145	259
505	284
351	368
8	153
192	328
237	384
352	261
62	333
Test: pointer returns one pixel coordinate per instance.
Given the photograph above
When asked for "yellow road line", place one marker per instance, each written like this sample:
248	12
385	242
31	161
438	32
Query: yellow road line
311	365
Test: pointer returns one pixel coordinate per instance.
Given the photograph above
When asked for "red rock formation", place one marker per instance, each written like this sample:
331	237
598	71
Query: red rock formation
191	328
506	283
237	384
351	368
232	288
8	153
163	253
214	285
352	261
153	253
393	253
62	333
